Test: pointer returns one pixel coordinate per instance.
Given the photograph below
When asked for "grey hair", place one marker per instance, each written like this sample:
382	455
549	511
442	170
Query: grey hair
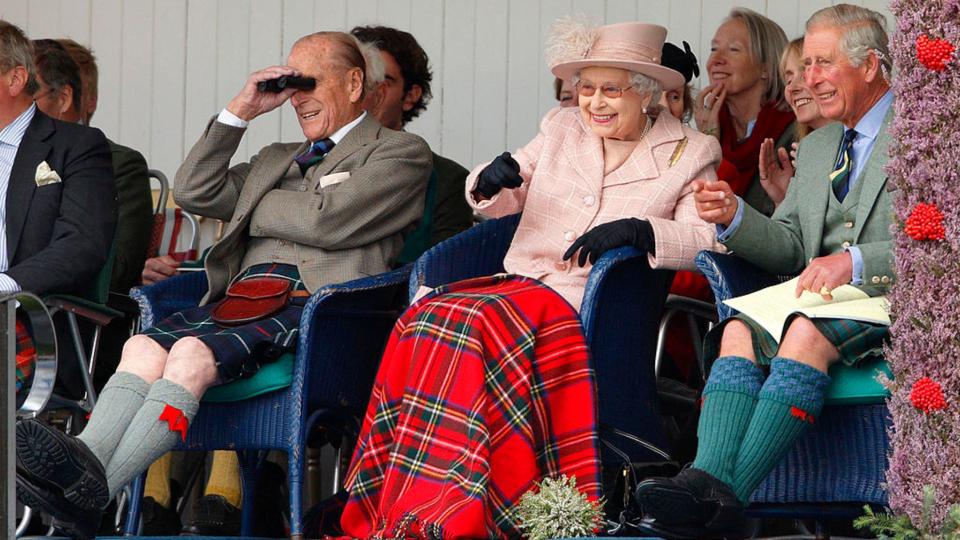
17	50
767	41
864	31
639	82
376	71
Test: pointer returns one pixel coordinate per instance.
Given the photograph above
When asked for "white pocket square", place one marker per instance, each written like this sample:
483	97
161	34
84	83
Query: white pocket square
334	178
45	175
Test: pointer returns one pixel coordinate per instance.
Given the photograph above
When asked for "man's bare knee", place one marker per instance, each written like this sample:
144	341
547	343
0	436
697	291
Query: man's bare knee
737	340
143	357
805	344
191	364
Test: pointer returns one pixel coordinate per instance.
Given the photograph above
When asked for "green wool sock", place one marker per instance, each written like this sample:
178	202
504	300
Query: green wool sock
168	408
119	401
728	402
790	400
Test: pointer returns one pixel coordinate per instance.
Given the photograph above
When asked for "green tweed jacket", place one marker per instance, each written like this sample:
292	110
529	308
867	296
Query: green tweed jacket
787	241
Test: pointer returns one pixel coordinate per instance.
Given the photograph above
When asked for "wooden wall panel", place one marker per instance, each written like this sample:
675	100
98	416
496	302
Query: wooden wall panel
167	66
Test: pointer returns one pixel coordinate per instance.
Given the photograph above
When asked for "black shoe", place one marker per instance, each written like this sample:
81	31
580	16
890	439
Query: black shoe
692	499
53	462
158	520
68	520
214	516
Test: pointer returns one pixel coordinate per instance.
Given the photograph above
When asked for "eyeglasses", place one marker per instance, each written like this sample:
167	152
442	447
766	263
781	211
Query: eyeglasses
587	89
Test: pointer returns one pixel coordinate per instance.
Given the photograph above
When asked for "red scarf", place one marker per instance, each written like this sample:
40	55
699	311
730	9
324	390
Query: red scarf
739	165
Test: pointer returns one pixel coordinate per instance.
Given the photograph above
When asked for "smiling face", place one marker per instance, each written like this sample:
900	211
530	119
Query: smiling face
797	95
619	118
842	91
336	99
730	62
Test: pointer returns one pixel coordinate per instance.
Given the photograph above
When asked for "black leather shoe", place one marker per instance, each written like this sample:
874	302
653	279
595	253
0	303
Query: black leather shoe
52	462
158	520
693	499
68	520
214	516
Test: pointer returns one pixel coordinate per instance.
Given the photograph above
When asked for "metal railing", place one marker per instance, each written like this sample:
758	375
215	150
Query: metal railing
41	387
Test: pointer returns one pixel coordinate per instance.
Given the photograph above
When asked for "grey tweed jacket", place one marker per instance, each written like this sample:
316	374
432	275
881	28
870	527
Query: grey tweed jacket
342	231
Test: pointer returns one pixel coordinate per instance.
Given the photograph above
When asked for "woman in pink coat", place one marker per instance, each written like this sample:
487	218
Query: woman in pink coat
485	387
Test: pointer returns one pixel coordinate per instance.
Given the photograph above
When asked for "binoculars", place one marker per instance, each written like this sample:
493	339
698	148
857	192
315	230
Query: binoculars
287	81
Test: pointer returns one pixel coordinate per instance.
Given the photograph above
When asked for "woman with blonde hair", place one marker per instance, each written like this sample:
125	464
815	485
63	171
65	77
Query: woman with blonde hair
743	105
776	166
485	387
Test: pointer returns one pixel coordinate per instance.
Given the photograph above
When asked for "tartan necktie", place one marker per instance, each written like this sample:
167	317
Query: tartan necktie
314	154
840	177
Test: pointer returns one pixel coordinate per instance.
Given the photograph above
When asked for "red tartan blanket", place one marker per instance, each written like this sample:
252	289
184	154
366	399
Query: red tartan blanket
26	357
484	389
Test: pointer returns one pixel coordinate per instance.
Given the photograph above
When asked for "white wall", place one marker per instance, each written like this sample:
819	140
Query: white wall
166	66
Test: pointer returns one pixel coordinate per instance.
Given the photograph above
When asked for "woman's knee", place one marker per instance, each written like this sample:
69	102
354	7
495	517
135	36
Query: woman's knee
143	357
737	340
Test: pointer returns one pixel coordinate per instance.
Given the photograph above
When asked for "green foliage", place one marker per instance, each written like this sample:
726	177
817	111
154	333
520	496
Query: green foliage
558	510
892	527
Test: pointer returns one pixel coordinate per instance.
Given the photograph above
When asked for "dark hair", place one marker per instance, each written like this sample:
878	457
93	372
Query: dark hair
58	69
17	50
413	61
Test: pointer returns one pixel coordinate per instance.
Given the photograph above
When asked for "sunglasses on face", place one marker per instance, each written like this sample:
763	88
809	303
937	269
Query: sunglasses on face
588	89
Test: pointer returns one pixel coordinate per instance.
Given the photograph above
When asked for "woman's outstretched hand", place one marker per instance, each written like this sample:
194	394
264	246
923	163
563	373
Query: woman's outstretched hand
602	238
502	172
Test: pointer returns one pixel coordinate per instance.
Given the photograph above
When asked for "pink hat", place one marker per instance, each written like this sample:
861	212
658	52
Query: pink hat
631	46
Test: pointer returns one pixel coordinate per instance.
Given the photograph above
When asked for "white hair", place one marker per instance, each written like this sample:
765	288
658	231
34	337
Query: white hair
376	71
864	31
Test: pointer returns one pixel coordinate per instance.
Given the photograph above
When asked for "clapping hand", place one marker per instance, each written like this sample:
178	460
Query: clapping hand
776	170
502	172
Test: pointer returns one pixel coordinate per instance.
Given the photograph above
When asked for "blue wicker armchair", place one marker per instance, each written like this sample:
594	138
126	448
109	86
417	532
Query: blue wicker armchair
839	465
343	331
620	313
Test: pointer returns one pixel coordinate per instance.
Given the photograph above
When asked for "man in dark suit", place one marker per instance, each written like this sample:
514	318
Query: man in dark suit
60	202
301	215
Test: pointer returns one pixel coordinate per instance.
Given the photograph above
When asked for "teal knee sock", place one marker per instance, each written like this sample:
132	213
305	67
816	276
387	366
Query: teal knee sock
790	400
728	402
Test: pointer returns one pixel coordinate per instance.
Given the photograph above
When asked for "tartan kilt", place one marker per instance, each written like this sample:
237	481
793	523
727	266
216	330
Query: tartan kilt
239	350
855	340
26	359
484	389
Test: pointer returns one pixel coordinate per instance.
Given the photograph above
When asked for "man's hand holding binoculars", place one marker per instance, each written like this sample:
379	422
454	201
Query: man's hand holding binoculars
251	102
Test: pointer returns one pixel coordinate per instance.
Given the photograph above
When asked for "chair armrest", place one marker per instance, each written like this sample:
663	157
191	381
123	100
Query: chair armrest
731	276
476	252
163	298
45	344
343	331
99	314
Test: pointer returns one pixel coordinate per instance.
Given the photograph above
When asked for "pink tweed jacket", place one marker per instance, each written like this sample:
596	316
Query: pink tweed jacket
565	193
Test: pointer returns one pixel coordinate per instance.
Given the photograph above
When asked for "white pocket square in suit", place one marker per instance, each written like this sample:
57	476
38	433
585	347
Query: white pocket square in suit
45	175
334	178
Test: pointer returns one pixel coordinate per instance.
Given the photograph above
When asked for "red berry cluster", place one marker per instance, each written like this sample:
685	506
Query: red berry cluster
934	53
927	396
925	223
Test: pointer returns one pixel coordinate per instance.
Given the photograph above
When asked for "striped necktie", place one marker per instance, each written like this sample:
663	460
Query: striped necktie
314	154
840	177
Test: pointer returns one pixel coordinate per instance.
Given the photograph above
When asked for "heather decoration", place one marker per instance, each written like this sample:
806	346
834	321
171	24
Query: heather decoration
925	223
925	301
927	396
935	54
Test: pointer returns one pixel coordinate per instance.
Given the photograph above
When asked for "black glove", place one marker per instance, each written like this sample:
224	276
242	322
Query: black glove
602	238
502	172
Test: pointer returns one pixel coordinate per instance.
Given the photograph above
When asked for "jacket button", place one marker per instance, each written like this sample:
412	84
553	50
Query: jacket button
885	280
848	224
560	265
570	236
589	200
875	280
845	245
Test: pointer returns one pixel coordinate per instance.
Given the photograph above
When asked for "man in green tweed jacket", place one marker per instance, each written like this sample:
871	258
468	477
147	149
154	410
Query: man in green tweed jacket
834	229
